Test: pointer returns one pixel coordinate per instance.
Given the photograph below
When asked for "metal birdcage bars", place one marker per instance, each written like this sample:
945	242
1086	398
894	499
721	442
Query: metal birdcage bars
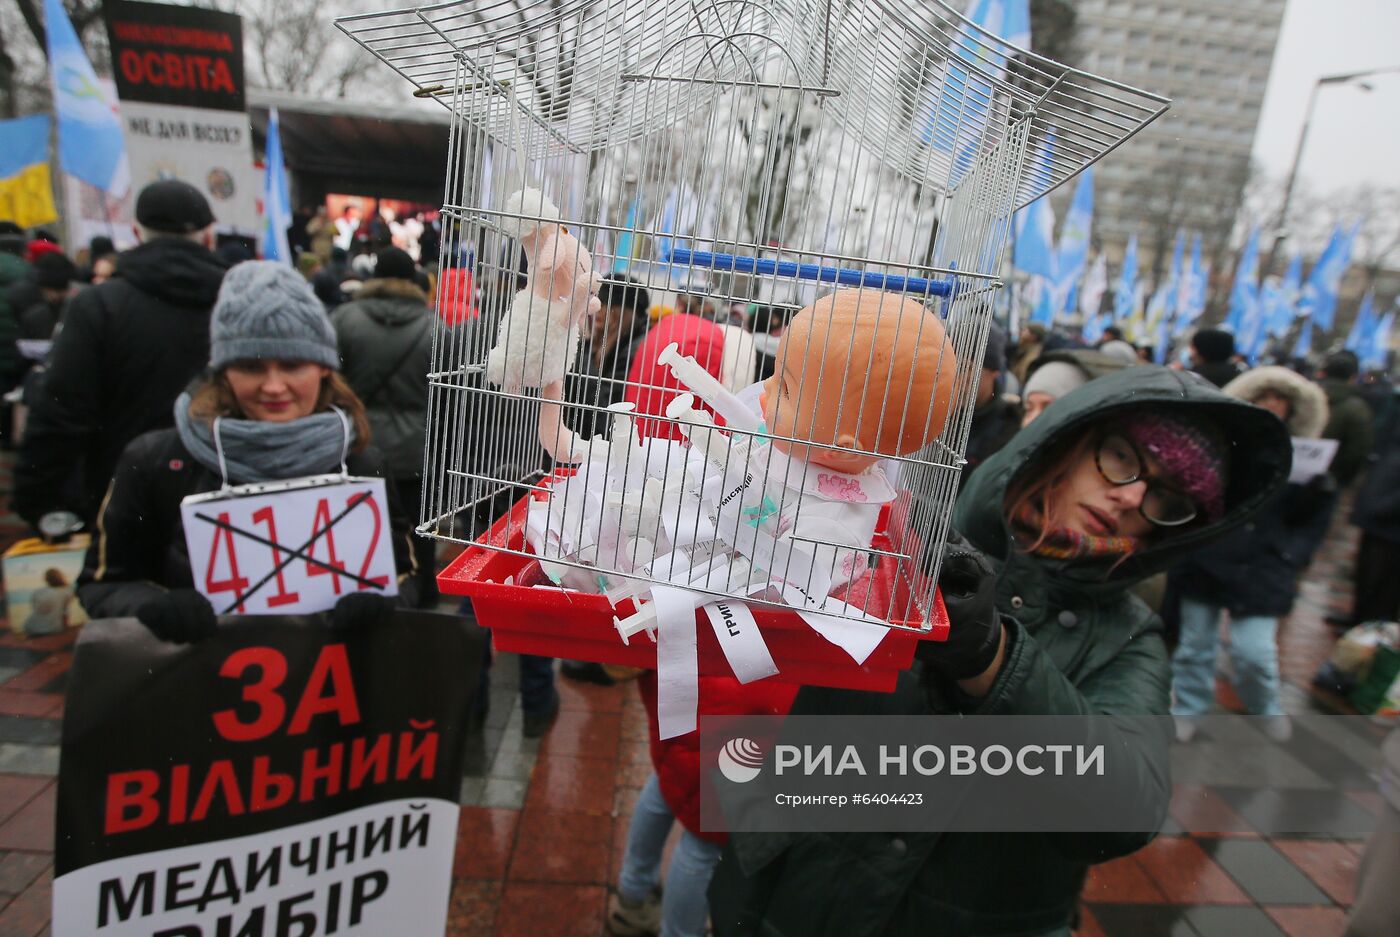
728	152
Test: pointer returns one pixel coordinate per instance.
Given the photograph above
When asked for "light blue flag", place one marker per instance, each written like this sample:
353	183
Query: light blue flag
1359	338
1284	308
1303	347
1033	250
1175	283
1244	295
1378	354
1045	301
1191	296
277	202
624	253
1319	299
1094	327
1073	252
1035	243
90	141
955	114
1163	344
1125	298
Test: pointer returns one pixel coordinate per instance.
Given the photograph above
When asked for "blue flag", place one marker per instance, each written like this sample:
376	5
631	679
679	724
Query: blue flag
1378	353
1125	298
1191	296
960	94
1359	338
277	202
1319	300
1073	251
1035	247
1282	307
1303	347
1244	294
90	141
625	253
1045	300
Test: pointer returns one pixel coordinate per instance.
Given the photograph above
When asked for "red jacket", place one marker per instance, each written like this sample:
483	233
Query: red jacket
651	386
677	760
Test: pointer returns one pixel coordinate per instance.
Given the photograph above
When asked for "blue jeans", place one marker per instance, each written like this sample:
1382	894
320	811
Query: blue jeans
1253	651
684	907
536	676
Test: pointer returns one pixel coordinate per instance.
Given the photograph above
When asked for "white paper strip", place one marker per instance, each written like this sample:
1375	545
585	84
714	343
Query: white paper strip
677	661
741	641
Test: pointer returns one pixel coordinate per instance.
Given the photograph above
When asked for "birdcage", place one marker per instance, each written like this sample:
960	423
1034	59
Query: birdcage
753	165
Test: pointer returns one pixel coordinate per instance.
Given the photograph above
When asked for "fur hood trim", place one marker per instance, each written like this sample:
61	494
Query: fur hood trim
1307	401
392	287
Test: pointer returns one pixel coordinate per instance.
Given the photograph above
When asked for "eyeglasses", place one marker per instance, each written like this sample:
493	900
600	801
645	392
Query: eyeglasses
1120	463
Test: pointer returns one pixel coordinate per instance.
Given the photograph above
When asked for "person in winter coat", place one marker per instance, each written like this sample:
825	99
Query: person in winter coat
386	349
274	407
1350	420
1066	517
1377	513
996	417
1212	354
127	349
1252	572
1056	373
605	356
1029	346
13	271
672	794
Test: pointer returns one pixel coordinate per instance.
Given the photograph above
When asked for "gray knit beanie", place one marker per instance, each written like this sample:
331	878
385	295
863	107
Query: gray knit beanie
1055	378
267	310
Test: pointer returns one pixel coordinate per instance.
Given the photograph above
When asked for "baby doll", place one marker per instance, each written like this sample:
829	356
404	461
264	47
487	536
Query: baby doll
539	334
861	375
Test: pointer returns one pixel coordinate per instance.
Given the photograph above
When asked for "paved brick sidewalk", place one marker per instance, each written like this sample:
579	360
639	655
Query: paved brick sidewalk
543	823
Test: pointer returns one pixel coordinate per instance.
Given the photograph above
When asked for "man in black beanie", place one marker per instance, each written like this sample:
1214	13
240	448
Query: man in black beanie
1211	351
127	349
56	277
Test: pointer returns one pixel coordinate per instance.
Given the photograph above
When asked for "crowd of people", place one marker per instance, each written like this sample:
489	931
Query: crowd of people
1112	514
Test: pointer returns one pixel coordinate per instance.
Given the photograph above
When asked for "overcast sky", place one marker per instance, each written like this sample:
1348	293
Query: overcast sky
1355	135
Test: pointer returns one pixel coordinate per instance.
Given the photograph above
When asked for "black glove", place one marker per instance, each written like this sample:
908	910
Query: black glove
181	616
968	583
360	611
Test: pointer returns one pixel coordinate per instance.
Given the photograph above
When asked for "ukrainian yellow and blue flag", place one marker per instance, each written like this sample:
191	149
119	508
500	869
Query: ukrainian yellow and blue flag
26	188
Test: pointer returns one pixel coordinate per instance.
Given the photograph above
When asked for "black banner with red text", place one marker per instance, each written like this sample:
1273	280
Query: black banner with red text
163	54
276	778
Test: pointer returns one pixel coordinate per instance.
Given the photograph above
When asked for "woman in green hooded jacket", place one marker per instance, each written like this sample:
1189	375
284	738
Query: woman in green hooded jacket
1116	481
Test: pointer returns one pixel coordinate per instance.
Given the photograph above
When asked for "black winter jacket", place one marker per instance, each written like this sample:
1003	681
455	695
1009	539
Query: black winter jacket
128	348
1377	509
139	549
1078	643
386	349
1254	569
1349	424
992	428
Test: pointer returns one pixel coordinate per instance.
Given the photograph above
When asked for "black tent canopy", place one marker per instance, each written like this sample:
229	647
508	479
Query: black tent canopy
338	146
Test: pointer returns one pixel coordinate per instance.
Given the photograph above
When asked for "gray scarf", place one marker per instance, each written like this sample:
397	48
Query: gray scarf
243	451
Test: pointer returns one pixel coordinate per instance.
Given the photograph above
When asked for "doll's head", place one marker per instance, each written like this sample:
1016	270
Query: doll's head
869	371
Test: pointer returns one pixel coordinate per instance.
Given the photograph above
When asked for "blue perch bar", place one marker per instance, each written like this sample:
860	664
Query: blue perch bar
786	268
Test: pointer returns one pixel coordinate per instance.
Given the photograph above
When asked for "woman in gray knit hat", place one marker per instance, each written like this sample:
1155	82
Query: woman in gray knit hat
273	406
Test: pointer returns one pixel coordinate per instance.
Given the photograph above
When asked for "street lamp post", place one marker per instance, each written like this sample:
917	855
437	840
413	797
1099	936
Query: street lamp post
1280	229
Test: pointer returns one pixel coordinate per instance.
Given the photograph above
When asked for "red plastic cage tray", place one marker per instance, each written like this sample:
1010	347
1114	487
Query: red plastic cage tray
553	622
